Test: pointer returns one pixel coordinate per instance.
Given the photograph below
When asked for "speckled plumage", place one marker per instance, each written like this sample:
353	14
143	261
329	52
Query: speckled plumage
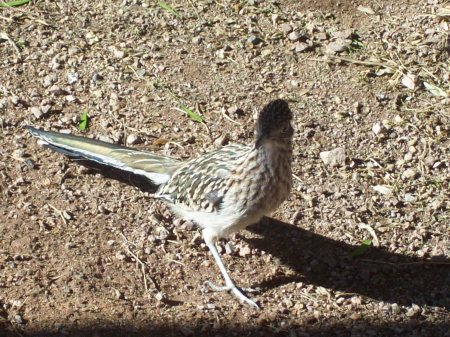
222	191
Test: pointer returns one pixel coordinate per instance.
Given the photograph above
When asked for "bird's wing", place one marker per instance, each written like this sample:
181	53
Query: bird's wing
200	184
156	168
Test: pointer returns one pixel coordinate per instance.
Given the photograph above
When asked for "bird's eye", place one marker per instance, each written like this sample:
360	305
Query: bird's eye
287	129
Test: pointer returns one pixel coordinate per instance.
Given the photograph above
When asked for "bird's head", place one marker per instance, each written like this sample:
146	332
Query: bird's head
274	123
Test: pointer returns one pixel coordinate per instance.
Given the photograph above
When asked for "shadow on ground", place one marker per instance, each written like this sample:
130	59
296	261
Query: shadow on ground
377	274
354	328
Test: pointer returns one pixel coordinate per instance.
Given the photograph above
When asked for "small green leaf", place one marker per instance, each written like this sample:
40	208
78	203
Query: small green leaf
361	249
192	114
434	90
15	3
168	8
84	120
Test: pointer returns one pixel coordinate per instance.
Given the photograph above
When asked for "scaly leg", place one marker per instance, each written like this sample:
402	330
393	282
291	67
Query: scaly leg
229	284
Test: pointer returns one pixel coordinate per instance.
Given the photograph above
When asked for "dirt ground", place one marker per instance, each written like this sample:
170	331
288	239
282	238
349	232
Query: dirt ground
361	248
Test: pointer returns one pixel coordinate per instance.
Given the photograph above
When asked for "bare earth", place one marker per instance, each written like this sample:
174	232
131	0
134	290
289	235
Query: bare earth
84	254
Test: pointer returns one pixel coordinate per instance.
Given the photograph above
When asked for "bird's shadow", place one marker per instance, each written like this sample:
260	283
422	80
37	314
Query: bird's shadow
377	274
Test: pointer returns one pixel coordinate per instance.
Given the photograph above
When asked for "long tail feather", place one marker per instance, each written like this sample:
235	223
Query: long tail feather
156	168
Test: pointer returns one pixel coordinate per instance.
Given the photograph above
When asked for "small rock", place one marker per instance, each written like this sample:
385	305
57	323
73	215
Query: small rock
429	161
56	90
244	251
301	47
18	319
133	139
337	46
119	295
294	36
222	140
70	98
367	10
118	54
48	80
409	174
15	100
18	154
321	36
229	248
342	34
72	78
120	256
377	128
110	242
106	139
409	197
160	296
409	81
413	311
197	40
36	111
382	189
395	308
96	77
70	245
333	158
254	40
286	28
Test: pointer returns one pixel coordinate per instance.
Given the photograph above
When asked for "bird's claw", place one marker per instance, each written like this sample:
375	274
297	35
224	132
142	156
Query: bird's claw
236	292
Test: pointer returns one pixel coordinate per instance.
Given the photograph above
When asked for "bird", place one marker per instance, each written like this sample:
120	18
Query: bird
222	191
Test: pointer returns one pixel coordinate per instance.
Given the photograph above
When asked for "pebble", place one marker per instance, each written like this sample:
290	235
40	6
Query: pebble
294	36
301	47
133	139
106	139
342	34
15	100
72	78
409	197
409	81
376	128
48	81
160	296
18	154
413	311
244	251
36	111
333	158
337	46
118	54
286	28
229	248
321	36
409	174
18	319
254	40
197	40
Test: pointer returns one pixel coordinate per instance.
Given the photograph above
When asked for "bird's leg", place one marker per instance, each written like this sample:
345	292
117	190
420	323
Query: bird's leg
229	284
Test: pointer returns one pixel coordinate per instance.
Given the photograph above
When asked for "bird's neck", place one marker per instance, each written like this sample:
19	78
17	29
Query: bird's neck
277	153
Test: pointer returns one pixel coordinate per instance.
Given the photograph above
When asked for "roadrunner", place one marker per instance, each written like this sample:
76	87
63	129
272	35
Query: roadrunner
222	191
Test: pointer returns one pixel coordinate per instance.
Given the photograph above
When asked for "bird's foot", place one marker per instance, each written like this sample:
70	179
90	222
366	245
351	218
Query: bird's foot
236	292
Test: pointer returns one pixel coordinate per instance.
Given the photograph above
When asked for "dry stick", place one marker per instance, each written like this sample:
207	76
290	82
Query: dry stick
142	263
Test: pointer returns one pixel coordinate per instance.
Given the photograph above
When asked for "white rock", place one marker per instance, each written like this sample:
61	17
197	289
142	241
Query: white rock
376	128
409	81
409	173
382	189
335	157
133	139
36	111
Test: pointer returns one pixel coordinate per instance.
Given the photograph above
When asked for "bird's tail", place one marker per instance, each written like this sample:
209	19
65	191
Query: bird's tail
156	168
